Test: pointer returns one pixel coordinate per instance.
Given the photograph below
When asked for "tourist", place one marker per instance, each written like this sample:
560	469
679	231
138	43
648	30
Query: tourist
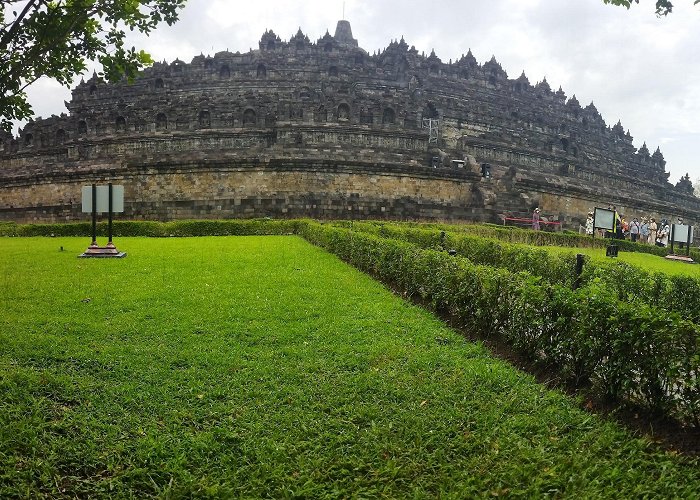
644	231
589	224
610	233
635	229
536	219
624	228
617	227
652	232
662	237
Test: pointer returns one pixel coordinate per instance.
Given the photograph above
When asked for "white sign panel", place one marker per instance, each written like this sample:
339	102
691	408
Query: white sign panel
604	219
680	233
103	199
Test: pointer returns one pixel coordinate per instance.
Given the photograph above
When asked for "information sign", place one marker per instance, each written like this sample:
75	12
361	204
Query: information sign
604	219
682	233
103	199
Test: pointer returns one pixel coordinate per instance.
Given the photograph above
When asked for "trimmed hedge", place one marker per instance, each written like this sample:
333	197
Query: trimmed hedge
669	292
239	227
555	268
512	234
620	351
695	254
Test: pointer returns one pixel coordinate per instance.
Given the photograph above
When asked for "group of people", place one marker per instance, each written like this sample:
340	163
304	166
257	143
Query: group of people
646	230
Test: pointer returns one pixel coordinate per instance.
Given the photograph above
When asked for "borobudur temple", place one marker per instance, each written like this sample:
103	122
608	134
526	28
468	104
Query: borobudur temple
325	129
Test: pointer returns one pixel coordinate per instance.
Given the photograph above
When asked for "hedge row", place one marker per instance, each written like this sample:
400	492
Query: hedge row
694	254
514	234
669	292
541	238
238	227
555	268
617	350
268	226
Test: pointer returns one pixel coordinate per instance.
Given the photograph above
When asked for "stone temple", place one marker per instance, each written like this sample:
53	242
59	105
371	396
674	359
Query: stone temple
324	129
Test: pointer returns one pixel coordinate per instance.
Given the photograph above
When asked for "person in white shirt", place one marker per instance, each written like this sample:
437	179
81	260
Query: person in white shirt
589	224
653	231
662	239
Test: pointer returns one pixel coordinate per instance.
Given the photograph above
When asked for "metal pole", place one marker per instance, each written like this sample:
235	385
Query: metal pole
687	250
94	216
109	223
673	233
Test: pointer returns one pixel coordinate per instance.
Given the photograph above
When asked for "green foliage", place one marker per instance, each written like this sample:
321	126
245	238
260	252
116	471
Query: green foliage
624	350
695	253
663	7
673	293
231	227
55	39
224	227
629	283
549	238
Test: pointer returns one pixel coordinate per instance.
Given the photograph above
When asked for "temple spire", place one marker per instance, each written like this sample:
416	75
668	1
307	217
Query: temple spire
343	34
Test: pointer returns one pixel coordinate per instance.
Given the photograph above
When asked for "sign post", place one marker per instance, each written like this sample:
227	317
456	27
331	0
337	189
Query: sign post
109	223
605	219
94	216
110	199
683	235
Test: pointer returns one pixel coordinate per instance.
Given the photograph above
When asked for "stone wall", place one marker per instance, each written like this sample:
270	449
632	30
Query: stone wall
236	189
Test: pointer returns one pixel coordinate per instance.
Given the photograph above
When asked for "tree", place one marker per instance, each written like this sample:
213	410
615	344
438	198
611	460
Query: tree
663	7
56	38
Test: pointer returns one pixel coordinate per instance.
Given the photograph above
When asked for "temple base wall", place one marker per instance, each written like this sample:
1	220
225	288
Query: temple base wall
177	192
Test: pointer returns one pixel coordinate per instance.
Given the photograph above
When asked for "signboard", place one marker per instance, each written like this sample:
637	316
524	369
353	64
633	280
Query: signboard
680	233
604	219
103	199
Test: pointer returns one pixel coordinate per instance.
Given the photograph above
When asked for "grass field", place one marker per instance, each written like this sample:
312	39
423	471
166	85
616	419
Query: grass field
265	367
648	262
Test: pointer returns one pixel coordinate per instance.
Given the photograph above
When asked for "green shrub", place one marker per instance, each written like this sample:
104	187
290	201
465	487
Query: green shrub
226	227
158	229
512	234
695	254
673	293
8	228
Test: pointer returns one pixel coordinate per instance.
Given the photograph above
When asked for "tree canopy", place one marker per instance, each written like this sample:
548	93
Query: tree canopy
56	38
663	7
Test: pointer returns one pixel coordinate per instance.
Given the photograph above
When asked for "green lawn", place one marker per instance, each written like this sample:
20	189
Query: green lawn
646	261
265	367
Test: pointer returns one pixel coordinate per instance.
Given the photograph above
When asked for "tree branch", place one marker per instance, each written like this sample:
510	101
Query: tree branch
17	23
43	47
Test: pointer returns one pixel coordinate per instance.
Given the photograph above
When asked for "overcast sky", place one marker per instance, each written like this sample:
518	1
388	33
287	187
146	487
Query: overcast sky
634	66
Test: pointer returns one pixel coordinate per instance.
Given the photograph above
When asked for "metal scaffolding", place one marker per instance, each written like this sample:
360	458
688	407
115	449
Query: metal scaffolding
433	126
